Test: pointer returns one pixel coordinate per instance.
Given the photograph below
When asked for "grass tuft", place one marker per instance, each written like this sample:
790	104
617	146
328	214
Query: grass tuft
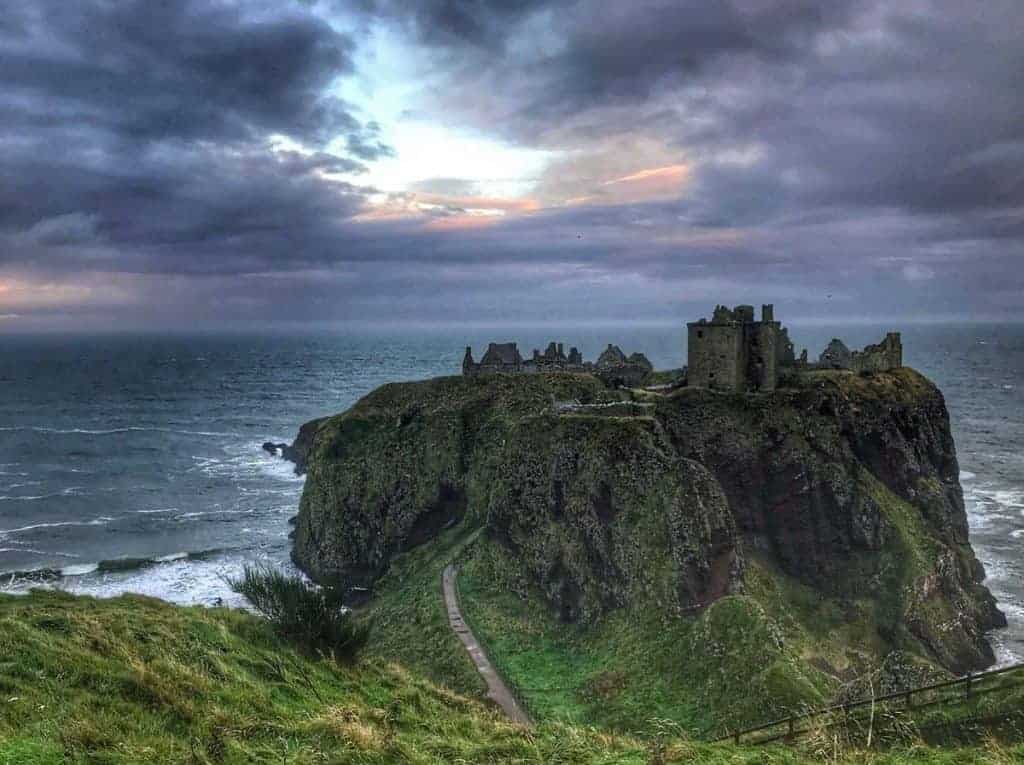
302	612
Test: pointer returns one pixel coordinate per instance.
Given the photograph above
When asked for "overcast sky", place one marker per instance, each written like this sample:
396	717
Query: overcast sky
232	161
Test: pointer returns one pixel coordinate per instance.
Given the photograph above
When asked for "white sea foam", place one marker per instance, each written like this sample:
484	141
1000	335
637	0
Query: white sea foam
1008	498
178	580
71	491
171	557
101	521
81	570
158	510
218	511
115	431
20	485
967	475
33	551
246	460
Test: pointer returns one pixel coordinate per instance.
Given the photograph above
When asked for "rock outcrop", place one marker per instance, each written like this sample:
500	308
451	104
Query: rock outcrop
846	484
296	452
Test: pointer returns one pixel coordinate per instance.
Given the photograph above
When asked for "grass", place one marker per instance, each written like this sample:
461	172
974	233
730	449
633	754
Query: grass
410	623
136	680
707	674
731	667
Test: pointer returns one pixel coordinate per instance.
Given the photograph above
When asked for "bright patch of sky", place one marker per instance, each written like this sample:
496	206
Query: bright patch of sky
392	87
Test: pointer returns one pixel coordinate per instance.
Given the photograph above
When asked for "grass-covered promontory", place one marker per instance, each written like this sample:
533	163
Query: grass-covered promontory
708	558
134	680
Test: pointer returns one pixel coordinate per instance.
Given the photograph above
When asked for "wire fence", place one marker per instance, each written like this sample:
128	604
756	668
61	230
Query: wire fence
967	688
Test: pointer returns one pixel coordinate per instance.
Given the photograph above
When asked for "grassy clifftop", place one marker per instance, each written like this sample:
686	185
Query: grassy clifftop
134	680
666	531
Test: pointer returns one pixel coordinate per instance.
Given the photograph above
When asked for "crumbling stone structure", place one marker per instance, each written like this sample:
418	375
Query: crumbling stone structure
613	366
499	357
553	359
734	352
835	356
619	370
881	357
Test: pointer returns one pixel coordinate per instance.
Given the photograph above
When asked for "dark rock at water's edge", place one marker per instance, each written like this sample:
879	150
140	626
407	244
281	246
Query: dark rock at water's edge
843	483
298	451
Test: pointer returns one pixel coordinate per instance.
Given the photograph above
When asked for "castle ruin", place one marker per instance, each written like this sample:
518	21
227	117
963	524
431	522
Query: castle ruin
613	366
881	357
733	352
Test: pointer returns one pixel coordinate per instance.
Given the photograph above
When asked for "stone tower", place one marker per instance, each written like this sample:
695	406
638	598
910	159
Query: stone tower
734	352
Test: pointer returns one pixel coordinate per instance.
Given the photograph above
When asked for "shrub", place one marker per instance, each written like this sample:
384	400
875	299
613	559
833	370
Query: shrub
302	612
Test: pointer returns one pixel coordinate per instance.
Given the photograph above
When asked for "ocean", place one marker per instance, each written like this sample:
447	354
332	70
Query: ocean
134	462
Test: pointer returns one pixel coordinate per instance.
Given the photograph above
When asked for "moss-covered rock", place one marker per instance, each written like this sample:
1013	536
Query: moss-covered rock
846	484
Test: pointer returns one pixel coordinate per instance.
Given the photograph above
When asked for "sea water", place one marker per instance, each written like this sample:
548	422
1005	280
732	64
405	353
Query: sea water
134	462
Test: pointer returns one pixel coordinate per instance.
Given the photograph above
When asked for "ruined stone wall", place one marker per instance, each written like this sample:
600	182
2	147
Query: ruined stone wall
762	355
716	356
785	353
883	357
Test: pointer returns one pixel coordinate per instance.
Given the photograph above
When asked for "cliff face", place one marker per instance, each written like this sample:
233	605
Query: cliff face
847	484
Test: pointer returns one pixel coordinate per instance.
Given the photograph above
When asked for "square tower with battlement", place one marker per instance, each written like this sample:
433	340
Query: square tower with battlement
735	352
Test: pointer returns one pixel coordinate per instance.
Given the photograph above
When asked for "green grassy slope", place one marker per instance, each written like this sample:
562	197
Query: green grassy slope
726	668
136	680
410	623
745	660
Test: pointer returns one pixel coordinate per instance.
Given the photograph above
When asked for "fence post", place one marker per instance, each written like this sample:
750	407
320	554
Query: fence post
967	686
736	738
910	701
790	734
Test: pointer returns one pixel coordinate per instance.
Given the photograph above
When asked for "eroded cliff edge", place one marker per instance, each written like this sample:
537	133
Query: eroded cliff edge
846	484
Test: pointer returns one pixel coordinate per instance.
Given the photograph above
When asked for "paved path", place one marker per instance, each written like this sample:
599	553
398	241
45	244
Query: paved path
497	691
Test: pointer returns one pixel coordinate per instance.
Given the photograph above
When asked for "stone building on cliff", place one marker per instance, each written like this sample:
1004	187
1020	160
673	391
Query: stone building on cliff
733	351
613	366
736	352
499	357
880	357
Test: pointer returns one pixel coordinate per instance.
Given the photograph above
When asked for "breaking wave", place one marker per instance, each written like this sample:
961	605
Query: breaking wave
113	565
114	431
101	521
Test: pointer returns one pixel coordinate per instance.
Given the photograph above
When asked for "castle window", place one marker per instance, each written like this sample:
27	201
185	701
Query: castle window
700	334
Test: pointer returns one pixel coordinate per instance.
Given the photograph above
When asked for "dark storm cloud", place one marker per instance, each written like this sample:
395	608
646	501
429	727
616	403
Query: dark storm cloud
134	137
472	23
868	151
866	102
141	71
810	126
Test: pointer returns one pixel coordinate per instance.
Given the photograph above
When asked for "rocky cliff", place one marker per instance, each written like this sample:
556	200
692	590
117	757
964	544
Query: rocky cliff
841	483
